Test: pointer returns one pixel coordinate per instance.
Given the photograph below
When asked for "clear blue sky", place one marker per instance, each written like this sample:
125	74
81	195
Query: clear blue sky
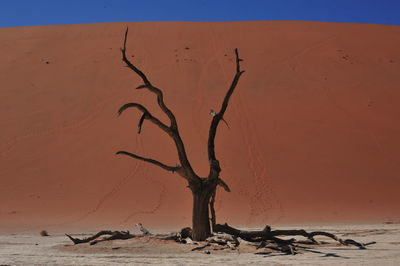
50	12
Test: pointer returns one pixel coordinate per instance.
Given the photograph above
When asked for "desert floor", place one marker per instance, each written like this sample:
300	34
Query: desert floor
32	249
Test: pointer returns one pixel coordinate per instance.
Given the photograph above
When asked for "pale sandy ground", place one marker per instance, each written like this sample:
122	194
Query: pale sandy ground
31	249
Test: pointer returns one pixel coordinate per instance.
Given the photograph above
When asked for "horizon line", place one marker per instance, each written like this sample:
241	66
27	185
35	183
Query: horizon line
200	21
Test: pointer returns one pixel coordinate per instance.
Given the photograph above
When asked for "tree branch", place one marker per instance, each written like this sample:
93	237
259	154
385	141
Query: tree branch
212	210
268	234
93	239
146	115
148	85
223	185
152	161
130	65
214	164
141	122
173	129
160	101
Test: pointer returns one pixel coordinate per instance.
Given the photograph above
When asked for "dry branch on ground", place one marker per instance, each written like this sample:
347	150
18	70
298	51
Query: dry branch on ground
226	237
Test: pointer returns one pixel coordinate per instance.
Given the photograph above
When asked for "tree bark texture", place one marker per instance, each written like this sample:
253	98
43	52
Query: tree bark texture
200	219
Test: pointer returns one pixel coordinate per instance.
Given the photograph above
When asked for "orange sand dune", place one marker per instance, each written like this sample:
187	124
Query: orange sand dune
314	130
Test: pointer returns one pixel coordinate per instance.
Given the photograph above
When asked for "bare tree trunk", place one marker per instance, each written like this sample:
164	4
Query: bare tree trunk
200	218
202	192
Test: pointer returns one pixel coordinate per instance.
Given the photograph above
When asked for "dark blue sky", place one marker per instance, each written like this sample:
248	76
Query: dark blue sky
49	12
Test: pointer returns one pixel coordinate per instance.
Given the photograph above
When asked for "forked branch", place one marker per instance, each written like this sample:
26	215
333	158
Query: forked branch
148	85
172	130
214	164
146	115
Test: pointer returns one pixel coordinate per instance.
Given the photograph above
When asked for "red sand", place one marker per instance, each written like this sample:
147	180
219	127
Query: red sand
314	129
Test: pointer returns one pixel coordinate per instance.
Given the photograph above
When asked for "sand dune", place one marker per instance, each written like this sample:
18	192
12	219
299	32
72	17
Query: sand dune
314	134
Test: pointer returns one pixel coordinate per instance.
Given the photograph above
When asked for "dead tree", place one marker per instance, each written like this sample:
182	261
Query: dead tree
203	188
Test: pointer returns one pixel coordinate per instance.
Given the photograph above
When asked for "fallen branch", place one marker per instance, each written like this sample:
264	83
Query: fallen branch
184	236
201	247
228	237
287	248
268	234
113	235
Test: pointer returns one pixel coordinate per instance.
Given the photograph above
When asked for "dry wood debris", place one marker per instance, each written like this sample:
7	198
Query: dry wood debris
226	237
